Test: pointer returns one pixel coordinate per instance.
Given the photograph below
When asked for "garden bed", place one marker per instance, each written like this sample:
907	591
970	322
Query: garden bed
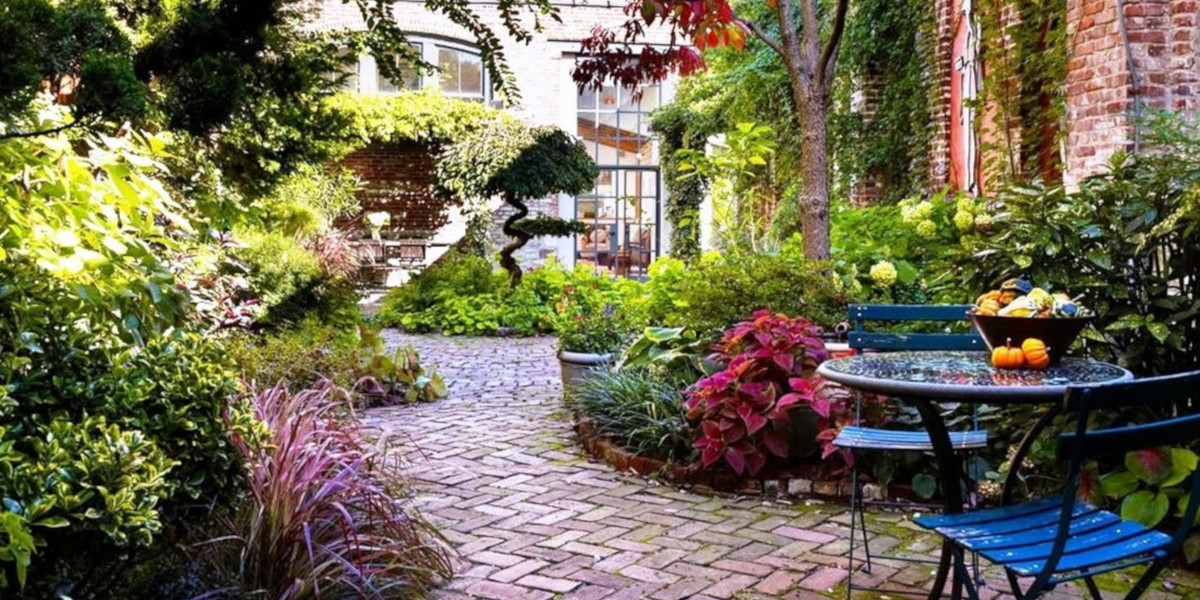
801	481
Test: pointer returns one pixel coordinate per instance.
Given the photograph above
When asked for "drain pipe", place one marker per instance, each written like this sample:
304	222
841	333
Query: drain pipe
1135	87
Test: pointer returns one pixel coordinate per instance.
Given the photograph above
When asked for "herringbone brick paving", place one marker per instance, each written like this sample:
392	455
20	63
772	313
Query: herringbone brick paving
531	517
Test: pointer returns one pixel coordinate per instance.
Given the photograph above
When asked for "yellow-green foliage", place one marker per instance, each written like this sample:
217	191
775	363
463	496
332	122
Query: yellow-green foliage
419	116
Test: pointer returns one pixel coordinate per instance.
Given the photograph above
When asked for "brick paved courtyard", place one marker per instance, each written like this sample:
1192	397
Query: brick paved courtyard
532	517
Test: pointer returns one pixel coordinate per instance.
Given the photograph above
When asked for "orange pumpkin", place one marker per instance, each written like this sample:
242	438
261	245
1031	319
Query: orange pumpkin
988	308
1036	353
1008	357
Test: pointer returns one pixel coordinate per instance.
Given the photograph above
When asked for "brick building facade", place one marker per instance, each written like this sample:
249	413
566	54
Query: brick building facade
1124	57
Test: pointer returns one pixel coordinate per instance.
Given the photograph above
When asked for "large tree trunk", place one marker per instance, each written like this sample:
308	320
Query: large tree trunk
814	168
810	66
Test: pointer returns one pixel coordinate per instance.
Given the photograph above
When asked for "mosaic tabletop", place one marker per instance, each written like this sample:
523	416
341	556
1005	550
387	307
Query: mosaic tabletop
965	376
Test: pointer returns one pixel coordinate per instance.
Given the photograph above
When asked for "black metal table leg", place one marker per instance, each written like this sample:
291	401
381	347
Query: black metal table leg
949	468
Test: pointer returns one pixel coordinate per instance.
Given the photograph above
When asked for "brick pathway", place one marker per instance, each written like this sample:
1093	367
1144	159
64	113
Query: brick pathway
531	517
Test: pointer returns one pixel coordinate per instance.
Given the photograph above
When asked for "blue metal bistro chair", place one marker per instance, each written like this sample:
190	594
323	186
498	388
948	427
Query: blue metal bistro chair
1061	538
858	438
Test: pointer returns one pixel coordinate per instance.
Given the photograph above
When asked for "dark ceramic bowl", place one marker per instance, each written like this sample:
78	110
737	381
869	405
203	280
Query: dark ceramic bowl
1057	333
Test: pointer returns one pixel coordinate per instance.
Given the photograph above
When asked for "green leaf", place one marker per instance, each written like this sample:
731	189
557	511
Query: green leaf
905	272
1023	261
1160	331
924	485
1191	548
1100	258
1119	484
1151	465
1183	463
1145	507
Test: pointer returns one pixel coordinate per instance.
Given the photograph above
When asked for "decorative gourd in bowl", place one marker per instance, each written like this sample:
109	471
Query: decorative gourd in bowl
1019	311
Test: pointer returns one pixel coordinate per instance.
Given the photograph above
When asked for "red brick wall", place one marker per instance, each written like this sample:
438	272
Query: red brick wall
398	178
1102	95
939	139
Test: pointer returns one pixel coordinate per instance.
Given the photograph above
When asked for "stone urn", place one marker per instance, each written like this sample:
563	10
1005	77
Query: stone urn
576	366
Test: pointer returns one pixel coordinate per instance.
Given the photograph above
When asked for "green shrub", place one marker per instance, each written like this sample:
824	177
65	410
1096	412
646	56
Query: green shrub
1126	240
719	290
291	282
642	412
300	355
106	445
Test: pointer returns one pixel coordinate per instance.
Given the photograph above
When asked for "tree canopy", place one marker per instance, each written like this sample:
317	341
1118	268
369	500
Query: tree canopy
242	82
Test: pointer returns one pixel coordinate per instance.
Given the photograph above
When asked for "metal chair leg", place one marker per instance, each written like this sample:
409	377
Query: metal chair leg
853	507
862	521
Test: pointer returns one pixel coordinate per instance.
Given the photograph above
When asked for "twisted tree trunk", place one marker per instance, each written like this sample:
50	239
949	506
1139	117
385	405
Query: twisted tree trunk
520	238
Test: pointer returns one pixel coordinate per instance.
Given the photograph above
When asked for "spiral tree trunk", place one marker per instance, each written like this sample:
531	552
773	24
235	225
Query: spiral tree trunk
520	238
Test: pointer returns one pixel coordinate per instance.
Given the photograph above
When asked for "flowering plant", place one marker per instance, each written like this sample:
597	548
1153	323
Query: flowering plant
587	319
743	411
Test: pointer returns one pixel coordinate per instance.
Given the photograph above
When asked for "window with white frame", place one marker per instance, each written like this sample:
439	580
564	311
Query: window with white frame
460	72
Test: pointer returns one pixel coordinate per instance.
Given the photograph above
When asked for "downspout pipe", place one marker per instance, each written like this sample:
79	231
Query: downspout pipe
1135	85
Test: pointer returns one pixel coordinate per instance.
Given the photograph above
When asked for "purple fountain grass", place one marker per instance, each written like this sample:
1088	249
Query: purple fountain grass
325	516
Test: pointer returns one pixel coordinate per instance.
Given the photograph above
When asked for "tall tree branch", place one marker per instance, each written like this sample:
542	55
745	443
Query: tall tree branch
787	31
767	39
41	132
829	54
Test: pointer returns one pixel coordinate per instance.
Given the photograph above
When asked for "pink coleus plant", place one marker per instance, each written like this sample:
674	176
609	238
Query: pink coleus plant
770	365
770	370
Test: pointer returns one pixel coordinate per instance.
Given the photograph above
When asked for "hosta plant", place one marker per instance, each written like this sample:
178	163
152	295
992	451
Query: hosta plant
394	377
743	411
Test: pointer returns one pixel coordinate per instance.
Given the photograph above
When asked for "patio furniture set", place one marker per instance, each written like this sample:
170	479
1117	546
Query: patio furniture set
1039	543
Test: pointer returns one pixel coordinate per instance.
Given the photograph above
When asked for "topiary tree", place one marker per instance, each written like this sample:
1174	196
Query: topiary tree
517	163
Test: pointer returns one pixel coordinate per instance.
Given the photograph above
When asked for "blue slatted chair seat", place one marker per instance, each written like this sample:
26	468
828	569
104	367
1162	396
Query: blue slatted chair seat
1020	537
868	438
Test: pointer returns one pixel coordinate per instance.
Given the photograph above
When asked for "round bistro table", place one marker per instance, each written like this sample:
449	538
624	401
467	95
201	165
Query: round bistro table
923	379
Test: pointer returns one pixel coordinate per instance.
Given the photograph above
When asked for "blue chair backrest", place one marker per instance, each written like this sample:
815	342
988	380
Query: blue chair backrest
861	339
1080	445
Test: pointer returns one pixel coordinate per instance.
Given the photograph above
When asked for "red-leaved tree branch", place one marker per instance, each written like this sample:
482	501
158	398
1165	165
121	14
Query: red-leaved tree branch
622	56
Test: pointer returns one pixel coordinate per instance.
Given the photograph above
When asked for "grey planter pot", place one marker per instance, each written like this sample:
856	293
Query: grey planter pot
576	366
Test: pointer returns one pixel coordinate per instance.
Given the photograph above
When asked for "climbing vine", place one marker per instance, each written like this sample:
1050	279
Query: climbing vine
886	61
1024	45
684	194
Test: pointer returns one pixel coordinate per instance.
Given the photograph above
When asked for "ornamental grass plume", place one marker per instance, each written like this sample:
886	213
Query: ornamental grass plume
325	515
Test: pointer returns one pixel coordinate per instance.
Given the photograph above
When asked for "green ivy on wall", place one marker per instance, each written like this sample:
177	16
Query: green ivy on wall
426	117
1024	44
684	194
887	55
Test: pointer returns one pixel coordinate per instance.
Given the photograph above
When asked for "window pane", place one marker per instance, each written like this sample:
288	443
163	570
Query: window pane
608	98
471	74
587	98
650	98
448	62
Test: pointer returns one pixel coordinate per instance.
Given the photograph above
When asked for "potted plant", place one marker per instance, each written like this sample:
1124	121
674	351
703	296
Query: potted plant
590	331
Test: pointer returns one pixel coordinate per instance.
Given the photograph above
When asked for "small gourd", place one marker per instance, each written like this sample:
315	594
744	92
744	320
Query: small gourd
1008	356
1036	354
992	295
988	308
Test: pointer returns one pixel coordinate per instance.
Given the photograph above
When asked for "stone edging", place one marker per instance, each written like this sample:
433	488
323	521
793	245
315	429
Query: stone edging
784	485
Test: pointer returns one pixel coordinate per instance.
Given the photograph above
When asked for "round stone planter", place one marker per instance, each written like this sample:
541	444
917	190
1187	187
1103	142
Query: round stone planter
576	366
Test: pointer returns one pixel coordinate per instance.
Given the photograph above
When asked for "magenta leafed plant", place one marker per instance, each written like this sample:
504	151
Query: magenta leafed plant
743	411
325	515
